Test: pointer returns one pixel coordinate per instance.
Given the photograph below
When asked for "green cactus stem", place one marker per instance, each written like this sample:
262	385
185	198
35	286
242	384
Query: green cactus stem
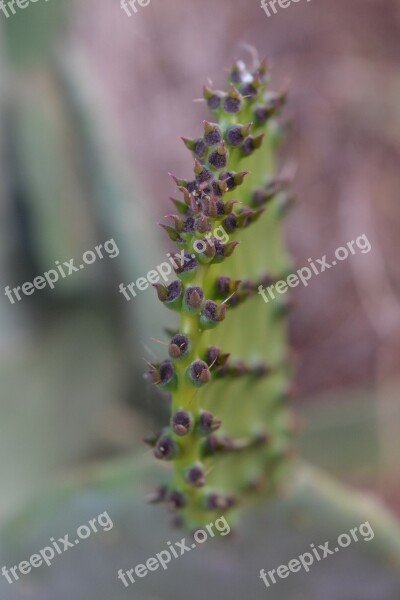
228	374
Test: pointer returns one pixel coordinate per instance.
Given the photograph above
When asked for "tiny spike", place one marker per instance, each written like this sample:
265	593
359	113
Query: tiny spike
208	423
179	182
172	233
178	222
239	177
212	314
233	101
166	448
179	346
236	73
193	299
162	291
171	295
218	158
229	248
186	195
203	223
190	144
180	206
262	70
212	134
237	134
251	144
212	98
196	146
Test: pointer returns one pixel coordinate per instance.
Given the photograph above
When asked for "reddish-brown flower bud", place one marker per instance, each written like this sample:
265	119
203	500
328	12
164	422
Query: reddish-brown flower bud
199	373
181	423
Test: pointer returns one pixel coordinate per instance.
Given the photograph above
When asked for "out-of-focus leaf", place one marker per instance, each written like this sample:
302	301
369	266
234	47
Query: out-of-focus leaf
315	510
31	34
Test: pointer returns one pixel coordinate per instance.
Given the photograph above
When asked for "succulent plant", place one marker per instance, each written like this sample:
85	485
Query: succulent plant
228	373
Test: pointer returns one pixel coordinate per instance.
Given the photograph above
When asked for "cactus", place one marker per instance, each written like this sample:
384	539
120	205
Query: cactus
229	436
